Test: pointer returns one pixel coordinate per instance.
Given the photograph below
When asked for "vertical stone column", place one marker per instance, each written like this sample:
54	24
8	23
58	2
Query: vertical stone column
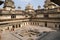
25	23
0	35
16	26
38	23
8	28
59	26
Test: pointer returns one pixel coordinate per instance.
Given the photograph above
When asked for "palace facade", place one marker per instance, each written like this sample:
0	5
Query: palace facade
10	18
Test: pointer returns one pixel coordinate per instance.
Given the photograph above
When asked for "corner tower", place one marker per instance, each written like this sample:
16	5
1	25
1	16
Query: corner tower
9	4
29	9
49	5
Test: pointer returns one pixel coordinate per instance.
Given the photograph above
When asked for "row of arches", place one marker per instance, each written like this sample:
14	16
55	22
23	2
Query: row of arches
52	25
41	24
32	23
16	26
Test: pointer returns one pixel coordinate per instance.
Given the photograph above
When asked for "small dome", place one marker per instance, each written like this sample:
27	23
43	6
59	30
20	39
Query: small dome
39	7
29	6
19	7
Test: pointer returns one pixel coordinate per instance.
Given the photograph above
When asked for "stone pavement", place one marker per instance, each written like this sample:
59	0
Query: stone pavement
25	33
8	36
51	36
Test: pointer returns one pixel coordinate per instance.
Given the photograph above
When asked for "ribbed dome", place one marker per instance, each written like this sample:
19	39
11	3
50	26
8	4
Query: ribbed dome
9	3
29	6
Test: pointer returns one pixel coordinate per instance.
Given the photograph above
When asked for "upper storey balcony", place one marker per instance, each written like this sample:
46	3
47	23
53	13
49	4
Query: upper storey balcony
2	11
54	10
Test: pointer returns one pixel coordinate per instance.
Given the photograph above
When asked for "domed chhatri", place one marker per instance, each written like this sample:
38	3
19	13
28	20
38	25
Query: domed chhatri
49	4
29	6
9	4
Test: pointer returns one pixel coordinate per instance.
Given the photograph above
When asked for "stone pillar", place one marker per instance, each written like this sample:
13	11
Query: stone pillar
21	25
24	24
8	28
16	26
59	27
38	23
34	23
0	34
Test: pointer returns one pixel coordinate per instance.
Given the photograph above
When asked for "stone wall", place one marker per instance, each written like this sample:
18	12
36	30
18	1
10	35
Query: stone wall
6	27
40	16
54	15
20	16
51	25
42	24
5	17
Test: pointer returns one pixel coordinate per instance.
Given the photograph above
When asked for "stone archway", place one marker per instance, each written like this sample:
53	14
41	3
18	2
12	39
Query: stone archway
13	26
59	27
45	24
19	25
55	26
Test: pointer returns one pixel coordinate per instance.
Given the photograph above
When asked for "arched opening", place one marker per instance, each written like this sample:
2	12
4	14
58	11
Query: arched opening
45	24
8	28
55	26
13	26
46	15
19	25
13	16
59	27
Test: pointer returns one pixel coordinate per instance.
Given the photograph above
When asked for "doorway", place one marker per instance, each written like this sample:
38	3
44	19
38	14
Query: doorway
19	25
59	27
45	24
55	26
13	26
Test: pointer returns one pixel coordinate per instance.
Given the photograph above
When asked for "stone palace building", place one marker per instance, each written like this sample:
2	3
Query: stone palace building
11	18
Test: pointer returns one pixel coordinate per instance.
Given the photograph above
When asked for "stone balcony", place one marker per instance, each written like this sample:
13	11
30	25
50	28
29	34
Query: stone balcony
48	10
54	10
